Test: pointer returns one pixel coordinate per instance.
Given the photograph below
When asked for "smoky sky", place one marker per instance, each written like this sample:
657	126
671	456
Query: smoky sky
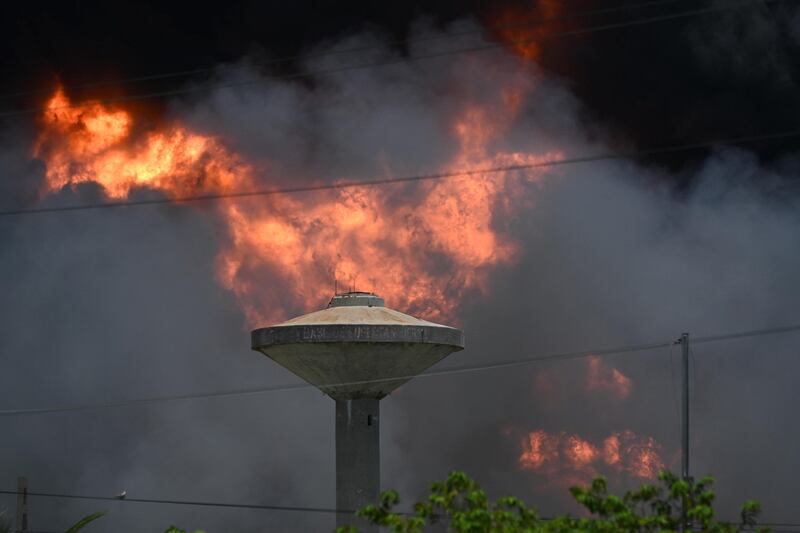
123	303
727	73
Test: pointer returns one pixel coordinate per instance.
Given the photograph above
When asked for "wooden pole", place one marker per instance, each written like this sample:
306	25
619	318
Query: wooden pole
685	476
22	505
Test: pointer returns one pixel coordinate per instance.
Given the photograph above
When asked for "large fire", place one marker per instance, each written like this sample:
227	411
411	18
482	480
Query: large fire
422	251
569	459
573	459
91	143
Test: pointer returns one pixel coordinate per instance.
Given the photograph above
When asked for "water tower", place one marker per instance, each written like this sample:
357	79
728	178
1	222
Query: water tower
357	351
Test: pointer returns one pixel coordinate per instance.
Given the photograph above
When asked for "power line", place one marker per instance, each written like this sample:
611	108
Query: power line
290	508
744	334
182	502
407	179
529	22
435	373
480	48
303	386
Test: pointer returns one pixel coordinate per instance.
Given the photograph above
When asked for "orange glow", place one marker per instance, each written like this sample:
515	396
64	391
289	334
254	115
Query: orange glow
601	378
91	143
570	458
580	452
422	251
538	447
611	450
525	29
643	455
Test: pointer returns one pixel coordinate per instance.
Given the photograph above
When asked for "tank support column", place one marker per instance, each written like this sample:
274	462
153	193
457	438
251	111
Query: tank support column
358	460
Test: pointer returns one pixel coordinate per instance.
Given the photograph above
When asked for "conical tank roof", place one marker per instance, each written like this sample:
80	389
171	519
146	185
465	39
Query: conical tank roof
357	347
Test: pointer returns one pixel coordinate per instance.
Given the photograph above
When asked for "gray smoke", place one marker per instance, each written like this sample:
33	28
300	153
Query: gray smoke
748	44
123	303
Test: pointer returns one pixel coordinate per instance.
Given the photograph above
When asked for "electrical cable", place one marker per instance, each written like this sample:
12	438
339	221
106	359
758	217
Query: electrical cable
181	502
528	22
434	373
406	179
303	386
473	49
745	334
195	503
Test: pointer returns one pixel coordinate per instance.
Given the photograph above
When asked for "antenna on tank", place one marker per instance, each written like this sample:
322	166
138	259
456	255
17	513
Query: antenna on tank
335	280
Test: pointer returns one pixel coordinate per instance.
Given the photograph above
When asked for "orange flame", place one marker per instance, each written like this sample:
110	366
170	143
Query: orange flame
642	453
525	29
423	252
538	448
601	378
579	452
570	457
91	143
611	450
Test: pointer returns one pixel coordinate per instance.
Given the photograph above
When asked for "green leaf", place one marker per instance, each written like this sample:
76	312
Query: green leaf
464	507
80	524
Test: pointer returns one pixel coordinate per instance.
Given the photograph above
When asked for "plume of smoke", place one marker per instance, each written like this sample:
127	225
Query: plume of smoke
123	303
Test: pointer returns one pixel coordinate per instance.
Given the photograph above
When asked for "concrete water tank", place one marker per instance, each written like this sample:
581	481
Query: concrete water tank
357	351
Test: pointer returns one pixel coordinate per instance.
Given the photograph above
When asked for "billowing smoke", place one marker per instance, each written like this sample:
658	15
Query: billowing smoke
126	303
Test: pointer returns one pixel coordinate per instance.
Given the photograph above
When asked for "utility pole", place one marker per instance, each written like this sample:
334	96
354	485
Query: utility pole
685	407
22	505
684	342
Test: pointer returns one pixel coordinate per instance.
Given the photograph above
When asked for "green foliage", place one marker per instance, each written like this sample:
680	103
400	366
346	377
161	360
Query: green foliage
173	529
80	524
464	507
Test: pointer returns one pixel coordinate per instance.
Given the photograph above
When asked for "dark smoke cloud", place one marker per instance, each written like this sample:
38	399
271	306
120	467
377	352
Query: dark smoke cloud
123	304
730	72
719	75
611	262
747	46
